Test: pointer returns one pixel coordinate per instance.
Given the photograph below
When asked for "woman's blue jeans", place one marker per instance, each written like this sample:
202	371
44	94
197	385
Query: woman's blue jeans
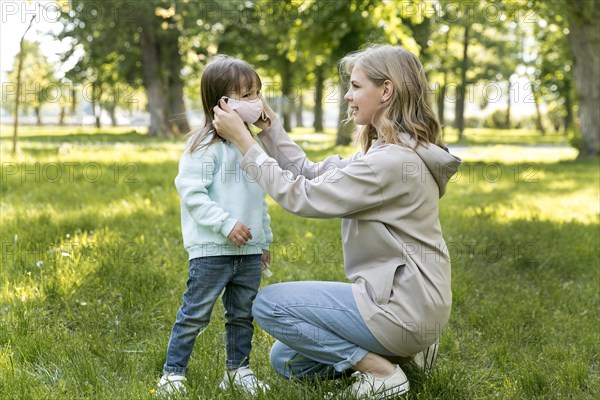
318	328
238	277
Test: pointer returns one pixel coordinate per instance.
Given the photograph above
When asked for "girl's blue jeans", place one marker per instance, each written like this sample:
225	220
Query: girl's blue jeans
238	278
318	328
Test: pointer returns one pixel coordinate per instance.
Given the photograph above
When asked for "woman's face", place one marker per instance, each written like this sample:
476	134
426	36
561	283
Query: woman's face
363	97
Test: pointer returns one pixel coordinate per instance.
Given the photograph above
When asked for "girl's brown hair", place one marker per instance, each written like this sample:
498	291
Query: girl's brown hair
408	110
222	75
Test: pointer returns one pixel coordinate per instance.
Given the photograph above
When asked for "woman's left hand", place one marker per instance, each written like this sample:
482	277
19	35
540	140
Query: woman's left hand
230	127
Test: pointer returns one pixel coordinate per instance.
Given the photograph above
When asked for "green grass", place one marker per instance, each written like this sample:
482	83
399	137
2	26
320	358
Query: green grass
486	136
93	269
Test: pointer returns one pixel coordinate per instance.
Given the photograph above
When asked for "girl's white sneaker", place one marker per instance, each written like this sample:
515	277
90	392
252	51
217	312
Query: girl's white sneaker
243	379
171	384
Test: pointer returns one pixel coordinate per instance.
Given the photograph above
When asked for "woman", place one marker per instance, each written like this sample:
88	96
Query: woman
394	253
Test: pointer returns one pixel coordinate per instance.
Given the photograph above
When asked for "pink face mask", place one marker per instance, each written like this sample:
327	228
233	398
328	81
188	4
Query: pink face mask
249	111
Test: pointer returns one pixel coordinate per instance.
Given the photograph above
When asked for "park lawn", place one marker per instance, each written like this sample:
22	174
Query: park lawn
93	269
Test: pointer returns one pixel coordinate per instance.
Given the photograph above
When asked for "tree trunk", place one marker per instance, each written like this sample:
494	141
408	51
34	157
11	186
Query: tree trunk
538	113
61	117
112	108
18	98
285	93
293	107
568	108
345	130
441	104
155	91
176	107
507	121
73	100
299	109
96	109
38	114
318	123
441	101
462	89
585	42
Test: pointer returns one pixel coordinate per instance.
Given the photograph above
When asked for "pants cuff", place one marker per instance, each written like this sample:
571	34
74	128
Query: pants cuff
354	359
174	370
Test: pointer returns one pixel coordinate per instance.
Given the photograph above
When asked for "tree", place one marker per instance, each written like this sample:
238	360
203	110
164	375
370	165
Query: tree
549	67
584	36
468	40
19	58
35	77
150	32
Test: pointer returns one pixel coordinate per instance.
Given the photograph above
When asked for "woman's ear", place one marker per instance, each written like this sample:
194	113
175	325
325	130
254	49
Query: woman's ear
388	90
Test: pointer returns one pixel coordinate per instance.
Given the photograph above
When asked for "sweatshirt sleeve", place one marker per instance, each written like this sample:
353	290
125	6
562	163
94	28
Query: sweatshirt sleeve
195	176
337	193
291	157
266	223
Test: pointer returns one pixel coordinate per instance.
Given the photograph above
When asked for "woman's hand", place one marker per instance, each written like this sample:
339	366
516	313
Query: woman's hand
230	127
271	116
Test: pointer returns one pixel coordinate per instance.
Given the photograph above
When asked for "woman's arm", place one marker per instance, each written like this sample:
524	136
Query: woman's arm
292	158
339	192
287	153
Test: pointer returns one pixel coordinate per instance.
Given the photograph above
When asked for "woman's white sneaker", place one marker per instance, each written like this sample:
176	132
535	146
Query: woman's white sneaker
243	379
426	359
370	387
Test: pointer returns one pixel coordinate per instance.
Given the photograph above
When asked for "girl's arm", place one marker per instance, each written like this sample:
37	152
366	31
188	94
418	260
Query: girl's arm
195	176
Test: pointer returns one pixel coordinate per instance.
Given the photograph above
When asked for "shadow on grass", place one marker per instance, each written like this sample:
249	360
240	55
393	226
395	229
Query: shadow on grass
92	138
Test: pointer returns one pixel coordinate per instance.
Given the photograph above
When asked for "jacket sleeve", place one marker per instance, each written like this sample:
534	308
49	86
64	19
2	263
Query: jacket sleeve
291	157
266	223
337	193
195	176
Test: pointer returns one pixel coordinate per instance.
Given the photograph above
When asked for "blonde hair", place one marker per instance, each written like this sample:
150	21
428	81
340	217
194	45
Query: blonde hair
408	109
222	75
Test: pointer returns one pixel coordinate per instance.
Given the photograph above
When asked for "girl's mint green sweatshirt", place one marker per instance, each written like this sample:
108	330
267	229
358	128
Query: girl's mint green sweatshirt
215	194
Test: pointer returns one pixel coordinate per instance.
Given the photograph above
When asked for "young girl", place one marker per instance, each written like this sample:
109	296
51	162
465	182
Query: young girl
226	231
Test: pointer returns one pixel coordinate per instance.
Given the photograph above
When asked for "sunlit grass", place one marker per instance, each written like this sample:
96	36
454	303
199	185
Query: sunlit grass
93	269
504	136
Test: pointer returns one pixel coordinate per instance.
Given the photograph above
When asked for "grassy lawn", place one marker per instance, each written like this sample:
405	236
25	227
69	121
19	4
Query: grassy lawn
93	269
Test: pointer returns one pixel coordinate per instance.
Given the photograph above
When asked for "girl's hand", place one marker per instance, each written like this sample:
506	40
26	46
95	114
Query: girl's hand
266	259
266	263
230	127
271	116
240	234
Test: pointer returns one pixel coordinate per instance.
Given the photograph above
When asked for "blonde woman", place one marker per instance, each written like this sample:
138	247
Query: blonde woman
399	298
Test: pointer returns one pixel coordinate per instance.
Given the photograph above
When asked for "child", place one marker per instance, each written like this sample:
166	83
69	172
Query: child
225	229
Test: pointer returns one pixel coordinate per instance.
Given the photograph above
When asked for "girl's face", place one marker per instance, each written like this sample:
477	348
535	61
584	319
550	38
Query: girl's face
247	94
247	104
363	97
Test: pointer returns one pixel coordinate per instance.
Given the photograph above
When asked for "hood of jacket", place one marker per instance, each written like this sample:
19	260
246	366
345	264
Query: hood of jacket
441	164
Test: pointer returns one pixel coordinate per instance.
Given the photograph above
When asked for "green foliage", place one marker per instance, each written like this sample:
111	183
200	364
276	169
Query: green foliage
93	269
37	75
496	120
